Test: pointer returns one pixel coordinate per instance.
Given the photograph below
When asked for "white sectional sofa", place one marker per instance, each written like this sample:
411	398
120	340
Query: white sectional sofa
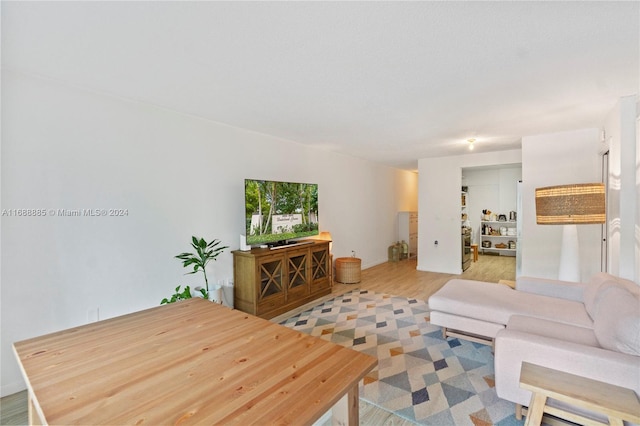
589	329
480	310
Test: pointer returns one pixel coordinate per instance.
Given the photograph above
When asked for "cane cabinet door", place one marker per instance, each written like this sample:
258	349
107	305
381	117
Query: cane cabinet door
297	274
320	269
271	281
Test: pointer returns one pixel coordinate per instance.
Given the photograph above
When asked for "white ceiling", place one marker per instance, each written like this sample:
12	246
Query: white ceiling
390	82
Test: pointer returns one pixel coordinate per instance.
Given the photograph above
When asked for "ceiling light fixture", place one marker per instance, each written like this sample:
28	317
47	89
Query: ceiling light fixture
471	141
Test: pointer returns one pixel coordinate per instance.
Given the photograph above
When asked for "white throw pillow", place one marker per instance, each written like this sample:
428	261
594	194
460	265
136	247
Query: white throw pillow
617	320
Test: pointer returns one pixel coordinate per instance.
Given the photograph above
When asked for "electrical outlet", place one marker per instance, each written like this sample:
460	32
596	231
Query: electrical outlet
93	315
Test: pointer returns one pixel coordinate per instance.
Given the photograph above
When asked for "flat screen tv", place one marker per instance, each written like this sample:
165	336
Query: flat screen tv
276	212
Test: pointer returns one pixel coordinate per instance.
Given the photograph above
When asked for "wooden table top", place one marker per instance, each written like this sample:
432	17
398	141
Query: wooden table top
188	362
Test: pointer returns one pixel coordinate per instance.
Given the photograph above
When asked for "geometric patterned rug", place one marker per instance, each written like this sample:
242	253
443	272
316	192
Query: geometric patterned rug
420	376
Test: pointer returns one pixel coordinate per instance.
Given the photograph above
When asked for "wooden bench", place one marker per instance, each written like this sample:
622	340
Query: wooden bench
615	402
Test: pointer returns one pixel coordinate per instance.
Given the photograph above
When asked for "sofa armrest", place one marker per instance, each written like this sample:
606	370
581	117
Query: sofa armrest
513	347
554	288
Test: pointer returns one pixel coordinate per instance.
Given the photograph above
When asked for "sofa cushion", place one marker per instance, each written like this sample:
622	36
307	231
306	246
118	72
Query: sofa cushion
617	320
555	330
496	303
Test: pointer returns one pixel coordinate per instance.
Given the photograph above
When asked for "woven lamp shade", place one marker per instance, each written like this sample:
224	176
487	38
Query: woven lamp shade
571	204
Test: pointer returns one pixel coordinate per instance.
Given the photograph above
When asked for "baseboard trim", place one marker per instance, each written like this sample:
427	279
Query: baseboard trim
12	388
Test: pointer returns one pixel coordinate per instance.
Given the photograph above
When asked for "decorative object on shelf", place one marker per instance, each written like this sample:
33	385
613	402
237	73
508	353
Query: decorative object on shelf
512	216
570	205
502	218
205	253
486	214
512	245
243	243
486	244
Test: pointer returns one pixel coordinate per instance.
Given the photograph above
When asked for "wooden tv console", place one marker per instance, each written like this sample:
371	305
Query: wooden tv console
271	282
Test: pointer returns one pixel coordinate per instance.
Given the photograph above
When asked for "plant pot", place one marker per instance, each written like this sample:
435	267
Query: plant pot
215	294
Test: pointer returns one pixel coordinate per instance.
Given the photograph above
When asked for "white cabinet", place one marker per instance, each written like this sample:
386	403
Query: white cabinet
498	236
408	230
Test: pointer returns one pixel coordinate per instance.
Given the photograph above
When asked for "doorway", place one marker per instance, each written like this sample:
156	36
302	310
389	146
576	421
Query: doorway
493	210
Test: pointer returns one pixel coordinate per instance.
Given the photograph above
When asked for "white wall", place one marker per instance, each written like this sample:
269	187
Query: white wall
557	159
66	148
440	180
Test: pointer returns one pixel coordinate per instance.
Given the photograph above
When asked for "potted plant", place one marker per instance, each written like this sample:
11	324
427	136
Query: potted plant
204	253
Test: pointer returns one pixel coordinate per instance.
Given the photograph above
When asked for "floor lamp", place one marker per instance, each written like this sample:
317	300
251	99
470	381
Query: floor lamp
570	205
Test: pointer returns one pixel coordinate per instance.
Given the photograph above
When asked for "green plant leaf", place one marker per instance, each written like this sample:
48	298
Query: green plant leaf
204	253
189	261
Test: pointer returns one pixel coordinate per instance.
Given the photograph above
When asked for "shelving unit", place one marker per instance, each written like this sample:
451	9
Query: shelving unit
463	207
465	242
498	238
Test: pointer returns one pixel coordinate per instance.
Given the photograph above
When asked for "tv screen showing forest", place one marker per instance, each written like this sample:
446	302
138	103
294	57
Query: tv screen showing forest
276	211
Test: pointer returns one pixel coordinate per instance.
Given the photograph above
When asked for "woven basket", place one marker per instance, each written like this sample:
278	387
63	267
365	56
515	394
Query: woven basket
348	270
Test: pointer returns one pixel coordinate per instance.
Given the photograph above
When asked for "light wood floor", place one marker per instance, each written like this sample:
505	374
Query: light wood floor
399	279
